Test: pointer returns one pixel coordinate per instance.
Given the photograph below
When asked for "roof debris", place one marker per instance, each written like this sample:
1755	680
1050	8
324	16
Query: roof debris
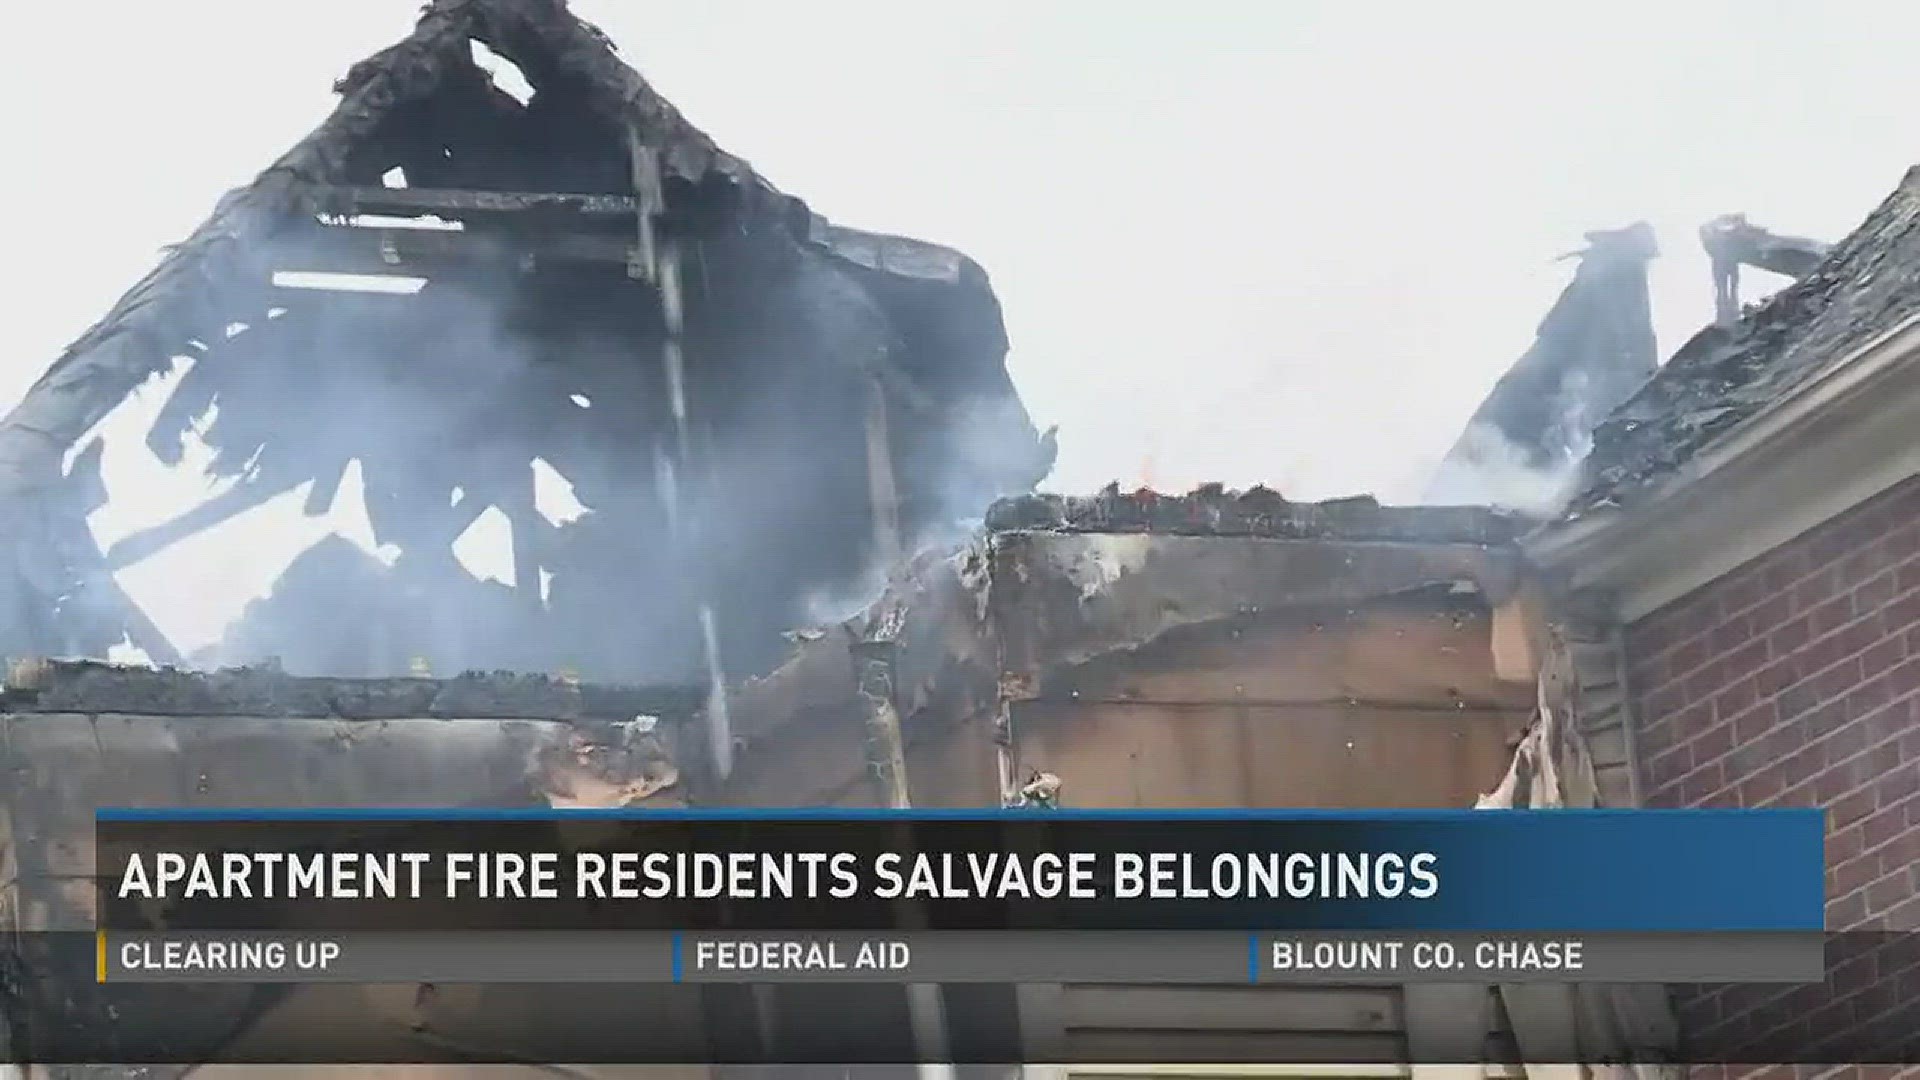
1213	510
1867	285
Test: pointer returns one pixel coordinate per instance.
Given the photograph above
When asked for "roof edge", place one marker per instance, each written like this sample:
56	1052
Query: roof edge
1214	510
1828	444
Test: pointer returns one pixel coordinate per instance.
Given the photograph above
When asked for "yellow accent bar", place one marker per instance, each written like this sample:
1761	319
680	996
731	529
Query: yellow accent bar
100	955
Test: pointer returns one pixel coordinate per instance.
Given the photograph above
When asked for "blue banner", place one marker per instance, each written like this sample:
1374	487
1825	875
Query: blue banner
1478	870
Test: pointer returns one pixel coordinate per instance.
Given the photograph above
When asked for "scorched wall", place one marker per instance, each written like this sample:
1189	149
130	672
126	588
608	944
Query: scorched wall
1794	680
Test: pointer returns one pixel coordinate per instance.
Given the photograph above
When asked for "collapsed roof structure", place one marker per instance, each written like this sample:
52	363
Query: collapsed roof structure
1526	446
1594	347
757	408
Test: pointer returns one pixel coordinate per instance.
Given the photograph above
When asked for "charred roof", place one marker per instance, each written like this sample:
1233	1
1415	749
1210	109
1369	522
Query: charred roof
1213	510
598	288
395	90
86	686
1867	285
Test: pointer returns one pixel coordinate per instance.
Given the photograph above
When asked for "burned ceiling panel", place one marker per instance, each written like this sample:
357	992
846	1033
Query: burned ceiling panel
596	287
1060	599
1867	285
1056	582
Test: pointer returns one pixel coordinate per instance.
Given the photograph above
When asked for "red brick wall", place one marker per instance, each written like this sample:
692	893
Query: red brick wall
1794	680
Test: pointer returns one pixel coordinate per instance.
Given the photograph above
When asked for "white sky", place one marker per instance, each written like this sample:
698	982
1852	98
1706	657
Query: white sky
1262	240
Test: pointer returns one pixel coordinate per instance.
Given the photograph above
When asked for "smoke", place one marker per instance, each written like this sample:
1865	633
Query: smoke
1489	469
480	388
833	607
306	415
983	451
981	433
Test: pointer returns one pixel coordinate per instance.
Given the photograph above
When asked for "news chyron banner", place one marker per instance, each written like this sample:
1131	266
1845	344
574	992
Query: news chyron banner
943	898
689	905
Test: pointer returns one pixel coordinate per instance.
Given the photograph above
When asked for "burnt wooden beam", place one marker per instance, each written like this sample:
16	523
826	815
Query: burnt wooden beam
342	199
215	511
354	250
882	490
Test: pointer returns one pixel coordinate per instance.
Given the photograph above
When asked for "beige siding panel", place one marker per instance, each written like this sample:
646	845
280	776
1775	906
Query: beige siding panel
1117	754
957	766
819	763
1228	1008
1392	705
1394	652
1272	1044
1396	705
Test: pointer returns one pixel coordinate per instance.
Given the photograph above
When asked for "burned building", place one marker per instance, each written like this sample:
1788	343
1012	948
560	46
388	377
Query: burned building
1122	651
757	408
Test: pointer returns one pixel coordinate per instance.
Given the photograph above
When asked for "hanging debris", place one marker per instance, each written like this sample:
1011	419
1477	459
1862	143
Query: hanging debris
1040	792
1732	242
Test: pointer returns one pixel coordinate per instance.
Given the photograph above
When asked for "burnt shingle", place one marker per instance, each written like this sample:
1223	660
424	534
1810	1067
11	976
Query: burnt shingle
1867	286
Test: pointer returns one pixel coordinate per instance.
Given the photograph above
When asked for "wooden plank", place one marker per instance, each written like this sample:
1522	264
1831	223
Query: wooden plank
1516	637
883	494
445	202
1245	1008
345	249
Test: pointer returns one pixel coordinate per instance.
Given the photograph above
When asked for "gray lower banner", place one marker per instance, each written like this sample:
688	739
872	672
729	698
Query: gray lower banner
1014	956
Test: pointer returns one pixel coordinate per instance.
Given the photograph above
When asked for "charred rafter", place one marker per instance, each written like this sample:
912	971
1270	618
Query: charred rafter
347	200
359	250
